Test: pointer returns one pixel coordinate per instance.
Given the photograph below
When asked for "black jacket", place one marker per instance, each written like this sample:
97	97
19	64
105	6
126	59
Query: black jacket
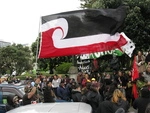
76	95
141	104
48	96
25	99
105	107
94	99
121	104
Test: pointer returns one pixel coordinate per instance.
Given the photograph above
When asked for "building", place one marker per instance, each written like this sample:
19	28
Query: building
4	44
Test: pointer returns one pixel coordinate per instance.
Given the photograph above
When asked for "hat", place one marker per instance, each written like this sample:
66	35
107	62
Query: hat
93	79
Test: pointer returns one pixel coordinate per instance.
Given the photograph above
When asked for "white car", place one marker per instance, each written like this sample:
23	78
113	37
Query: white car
58	107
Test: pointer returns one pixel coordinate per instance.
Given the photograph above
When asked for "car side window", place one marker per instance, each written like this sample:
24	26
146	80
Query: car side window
1	96
8	93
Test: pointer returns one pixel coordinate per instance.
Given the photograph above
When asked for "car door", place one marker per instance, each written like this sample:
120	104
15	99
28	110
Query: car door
2	105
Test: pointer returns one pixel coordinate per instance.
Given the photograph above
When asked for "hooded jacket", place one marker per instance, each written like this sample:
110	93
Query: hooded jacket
76	95
121	104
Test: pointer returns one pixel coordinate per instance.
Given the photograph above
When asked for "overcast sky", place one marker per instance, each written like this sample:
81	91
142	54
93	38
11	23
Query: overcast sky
19	19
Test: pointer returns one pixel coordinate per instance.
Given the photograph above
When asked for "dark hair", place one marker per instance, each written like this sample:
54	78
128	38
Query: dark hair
47	83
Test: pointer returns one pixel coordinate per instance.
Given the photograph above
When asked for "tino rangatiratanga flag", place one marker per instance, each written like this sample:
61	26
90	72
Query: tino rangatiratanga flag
81	32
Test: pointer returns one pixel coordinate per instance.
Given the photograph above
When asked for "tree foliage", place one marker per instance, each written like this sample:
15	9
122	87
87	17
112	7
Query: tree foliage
137	22
15	57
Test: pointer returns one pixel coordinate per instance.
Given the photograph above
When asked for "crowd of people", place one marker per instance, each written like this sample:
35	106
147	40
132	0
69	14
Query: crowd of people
105	92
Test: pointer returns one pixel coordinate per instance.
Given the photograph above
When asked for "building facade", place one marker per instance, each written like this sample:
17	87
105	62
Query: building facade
4	44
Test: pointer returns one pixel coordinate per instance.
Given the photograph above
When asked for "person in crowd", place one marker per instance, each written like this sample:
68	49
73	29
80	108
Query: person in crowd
4	81
147	59
105	107
115	64
140	83
108	79
66	79
79	78
76	93
84	92
49	95
55	84
25	98
12	102
108	92
141	102
119	100
34	95
140	61
120	110
71	85
93	96
93	80
128	90
63	92
121	81
146	75
85	80
43	84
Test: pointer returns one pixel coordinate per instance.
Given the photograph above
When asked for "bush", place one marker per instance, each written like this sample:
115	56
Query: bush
63	68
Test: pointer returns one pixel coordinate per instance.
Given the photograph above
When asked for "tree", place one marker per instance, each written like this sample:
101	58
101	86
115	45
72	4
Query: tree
137	22
15	57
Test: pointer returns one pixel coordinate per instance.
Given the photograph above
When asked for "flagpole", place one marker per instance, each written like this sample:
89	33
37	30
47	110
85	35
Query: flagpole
37	49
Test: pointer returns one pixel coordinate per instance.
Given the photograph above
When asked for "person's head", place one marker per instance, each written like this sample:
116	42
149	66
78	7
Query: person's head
117	94
120	73
93	80
148	68
49	84
37	80
95	87
129	73
145	92
55	77
62	83
87	76
139	53
88	85
77	87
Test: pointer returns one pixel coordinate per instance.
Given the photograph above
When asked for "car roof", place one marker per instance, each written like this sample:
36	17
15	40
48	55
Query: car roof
58	107
11	85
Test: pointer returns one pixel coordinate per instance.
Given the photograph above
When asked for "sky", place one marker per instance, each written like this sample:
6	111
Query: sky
19	19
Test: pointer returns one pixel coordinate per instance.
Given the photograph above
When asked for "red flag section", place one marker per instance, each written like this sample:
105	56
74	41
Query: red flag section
135	75
50	49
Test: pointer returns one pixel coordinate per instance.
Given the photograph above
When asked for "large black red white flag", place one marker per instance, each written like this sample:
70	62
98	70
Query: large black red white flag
81	31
